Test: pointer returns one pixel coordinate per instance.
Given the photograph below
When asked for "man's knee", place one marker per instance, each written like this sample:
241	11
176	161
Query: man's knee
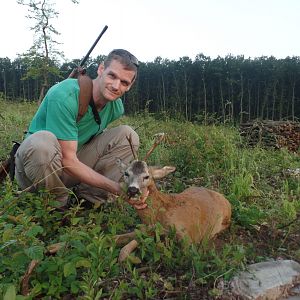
128	132
41	146
38	155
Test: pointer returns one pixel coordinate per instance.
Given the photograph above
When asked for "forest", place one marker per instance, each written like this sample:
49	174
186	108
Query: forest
48	254
223	89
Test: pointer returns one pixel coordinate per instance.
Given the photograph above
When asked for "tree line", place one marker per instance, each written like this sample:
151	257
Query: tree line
233	88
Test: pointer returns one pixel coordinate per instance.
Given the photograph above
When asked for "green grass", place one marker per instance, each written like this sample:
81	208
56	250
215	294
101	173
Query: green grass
14	118
265	204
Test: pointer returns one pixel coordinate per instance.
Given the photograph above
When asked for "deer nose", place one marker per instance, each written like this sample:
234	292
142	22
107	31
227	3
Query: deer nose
132	191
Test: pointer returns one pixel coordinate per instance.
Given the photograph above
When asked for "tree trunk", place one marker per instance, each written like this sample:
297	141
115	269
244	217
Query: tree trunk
293	100
241	99
177	105
163	92
249	100
281	103
205	101
212	100
258	101
4	84
274	99
42	93
222	100
265	101
186	96
231	110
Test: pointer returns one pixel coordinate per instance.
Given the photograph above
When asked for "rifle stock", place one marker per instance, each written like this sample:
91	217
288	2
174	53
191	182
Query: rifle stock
4	169
7	167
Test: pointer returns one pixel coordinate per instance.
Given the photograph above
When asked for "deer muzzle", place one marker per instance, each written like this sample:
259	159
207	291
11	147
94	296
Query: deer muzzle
132	191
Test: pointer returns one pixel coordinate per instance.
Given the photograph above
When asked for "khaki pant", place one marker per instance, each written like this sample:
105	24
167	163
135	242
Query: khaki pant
39	162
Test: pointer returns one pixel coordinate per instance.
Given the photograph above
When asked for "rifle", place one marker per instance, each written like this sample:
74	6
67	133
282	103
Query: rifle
79	69
85	83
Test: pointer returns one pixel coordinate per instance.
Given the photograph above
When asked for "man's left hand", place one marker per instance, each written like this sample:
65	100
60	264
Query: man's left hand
141	203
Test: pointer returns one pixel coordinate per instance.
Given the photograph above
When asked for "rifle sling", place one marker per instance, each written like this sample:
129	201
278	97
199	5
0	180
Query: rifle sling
86	98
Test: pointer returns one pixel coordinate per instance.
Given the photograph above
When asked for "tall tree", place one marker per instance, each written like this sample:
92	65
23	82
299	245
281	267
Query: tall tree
5	66
202	63
43	52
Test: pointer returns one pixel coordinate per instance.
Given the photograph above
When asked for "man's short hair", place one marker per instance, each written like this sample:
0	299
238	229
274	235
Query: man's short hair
128	60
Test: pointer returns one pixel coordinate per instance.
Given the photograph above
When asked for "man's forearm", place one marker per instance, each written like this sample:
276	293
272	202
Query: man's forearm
85	174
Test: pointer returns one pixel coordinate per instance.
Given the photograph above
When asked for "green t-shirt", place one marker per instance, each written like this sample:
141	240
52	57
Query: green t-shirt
58	113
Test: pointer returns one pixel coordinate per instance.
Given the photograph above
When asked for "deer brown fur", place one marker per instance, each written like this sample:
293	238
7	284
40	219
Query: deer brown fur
197	213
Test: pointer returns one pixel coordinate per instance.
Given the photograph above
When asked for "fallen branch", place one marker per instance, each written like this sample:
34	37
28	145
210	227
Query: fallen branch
25	280
51	249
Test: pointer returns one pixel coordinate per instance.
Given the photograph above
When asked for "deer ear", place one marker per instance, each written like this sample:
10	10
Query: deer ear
121	165
158	173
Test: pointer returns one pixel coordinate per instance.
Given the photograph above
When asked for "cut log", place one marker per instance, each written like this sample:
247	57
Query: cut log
274	134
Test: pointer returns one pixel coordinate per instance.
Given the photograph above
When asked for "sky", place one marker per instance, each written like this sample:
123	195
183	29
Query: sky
167	28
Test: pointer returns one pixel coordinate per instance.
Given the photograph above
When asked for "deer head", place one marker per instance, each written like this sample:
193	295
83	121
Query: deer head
138	176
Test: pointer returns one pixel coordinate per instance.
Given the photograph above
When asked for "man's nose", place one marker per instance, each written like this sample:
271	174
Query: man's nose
116	84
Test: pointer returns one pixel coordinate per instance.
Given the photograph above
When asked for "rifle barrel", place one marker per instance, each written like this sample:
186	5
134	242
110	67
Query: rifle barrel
92	48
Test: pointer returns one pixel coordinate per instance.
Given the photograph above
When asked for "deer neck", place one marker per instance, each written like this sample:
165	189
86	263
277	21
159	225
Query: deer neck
158	203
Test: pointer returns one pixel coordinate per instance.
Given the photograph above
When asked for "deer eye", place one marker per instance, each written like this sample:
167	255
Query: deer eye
126	174
146	178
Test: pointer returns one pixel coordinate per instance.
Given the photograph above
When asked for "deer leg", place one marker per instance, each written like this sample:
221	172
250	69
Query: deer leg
127	250
125	238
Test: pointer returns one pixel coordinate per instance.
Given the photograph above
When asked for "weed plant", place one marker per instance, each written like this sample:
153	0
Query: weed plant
265	201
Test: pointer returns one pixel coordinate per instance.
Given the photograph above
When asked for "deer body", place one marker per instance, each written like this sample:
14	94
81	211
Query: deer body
196	213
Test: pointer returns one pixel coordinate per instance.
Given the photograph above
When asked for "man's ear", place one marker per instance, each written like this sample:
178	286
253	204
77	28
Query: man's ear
100	69
131	84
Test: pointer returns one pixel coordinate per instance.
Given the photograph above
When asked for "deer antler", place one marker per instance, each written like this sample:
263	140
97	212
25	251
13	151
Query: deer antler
159	137
129	139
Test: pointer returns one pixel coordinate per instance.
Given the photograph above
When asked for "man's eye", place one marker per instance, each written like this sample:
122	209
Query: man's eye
146	177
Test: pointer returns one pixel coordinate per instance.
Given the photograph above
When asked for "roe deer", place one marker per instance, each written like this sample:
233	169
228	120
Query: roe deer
196	213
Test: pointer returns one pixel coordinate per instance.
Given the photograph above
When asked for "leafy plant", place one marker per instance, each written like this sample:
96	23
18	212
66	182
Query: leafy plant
265	202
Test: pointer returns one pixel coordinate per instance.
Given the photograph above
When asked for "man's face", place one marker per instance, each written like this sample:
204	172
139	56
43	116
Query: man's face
114	80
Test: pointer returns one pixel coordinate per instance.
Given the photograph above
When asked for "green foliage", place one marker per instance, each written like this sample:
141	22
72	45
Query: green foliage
86	266
14	119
